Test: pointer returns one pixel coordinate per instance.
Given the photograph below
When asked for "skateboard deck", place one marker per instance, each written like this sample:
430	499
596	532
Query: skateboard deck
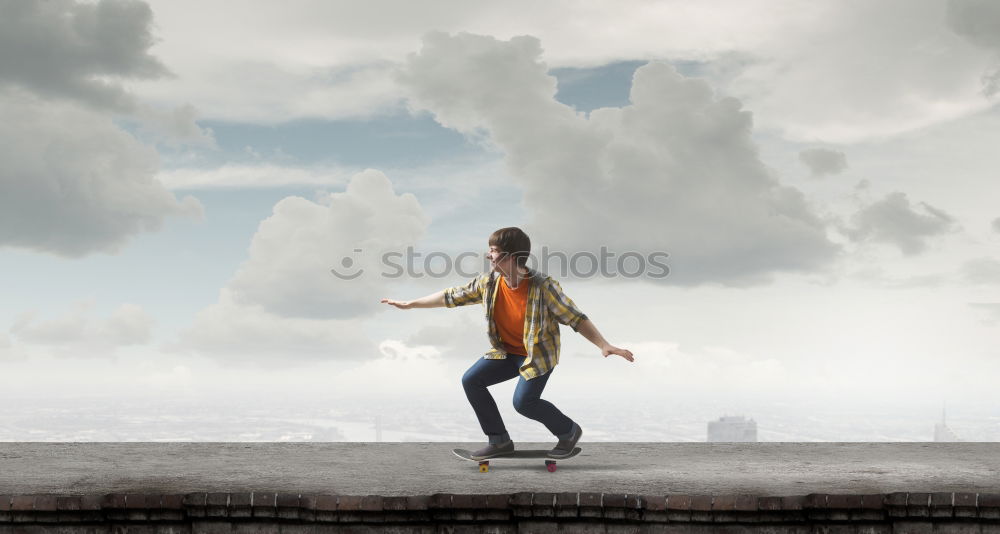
484	465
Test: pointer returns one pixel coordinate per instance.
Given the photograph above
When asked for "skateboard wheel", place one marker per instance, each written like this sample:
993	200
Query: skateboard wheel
550	465
484	467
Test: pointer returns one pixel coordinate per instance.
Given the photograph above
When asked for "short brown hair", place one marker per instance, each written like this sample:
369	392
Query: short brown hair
512	240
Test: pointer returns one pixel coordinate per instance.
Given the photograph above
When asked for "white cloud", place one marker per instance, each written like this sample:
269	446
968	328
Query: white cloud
284	304
855	72
78	334
714	370
996	225
826	70
981	271
248	335
893	220
84	52
73	183
292	253
462	339
979	21
992	310
822	161
674	171
232	175
81	51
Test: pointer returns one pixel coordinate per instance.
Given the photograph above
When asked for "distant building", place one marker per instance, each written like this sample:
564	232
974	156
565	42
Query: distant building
942	432
732	428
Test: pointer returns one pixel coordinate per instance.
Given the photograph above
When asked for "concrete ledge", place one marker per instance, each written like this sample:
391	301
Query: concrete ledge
754	488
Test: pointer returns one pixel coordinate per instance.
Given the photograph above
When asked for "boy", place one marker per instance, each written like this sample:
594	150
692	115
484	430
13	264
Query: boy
523	311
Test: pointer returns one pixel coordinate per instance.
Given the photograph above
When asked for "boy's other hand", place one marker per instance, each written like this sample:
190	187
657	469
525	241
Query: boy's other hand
401	304
624	353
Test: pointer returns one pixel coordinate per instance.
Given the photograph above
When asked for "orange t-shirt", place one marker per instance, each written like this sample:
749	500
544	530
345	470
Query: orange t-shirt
508	315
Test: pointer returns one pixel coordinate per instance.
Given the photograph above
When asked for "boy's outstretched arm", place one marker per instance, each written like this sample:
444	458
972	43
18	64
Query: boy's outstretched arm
435	300
587	329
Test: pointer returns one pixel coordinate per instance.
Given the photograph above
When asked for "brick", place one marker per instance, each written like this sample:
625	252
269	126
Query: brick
679	502
287	500
22	503
918	505
866	516
872	501
543	504
324	503
746	503
443	500
372	503
439	507
965	499
137	506
287	505
699	503
614	500
897	498
421	502
67	503
567	504
913	527
965	505
815	501
941	504
263	504
216	505
989	500
843	502
793	502
195	500
724	503
989	506
769	503
91	503
45	503
467	501
114	501
498	501
655	503
591	504
394	503
240	505
262	499
137	501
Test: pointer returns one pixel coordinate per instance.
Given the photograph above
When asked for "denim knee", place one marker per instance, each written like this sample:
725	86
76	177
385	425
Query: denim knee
523	404
469	379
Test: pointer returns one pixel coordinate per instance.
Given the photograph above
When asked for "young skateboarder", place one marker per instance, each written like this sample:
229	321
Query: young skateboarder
524	309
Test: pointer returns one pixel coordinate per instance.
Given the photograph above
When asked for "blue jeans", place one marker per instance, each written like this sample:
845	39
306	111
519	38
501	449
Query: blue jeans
527	398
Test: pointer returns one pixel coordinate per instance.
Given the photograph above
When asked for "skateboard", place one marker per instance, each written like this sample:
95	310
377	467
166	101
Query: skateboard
484	465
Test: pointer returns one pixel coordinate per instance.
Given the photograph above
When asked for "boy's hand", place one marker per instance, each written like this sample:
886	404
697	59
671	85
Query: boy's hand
611	349
401	304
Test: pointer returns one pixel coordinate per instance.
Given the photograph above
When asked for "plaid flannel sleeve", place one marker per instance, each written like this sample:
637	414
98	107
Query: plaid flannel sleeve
471	293
561	306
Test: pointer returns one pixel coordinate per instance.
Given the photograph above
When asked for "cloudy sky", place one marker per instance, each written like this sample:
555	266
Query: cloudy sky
179	178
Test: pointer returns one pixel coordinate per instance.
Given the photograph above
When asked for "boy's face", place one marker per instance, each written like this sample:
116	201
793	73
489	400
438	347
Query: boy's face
499	260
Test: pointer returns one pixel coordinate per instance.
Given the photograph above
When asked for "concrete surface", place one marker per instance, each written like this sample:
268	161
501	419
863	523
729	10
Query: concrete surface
391	469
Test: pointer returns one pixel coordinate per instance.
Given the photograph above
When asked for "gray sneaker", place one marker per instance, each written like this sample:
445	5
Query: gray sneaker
491	450
565	446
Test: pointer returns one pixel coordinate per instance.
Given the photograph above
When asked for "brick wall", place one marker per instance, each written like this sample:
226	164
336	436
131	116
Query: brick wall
499	513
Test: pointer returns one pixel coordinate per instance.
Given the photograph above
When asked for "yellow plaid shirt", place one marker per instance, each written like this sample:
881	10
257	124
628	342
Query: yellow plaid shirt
547	308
